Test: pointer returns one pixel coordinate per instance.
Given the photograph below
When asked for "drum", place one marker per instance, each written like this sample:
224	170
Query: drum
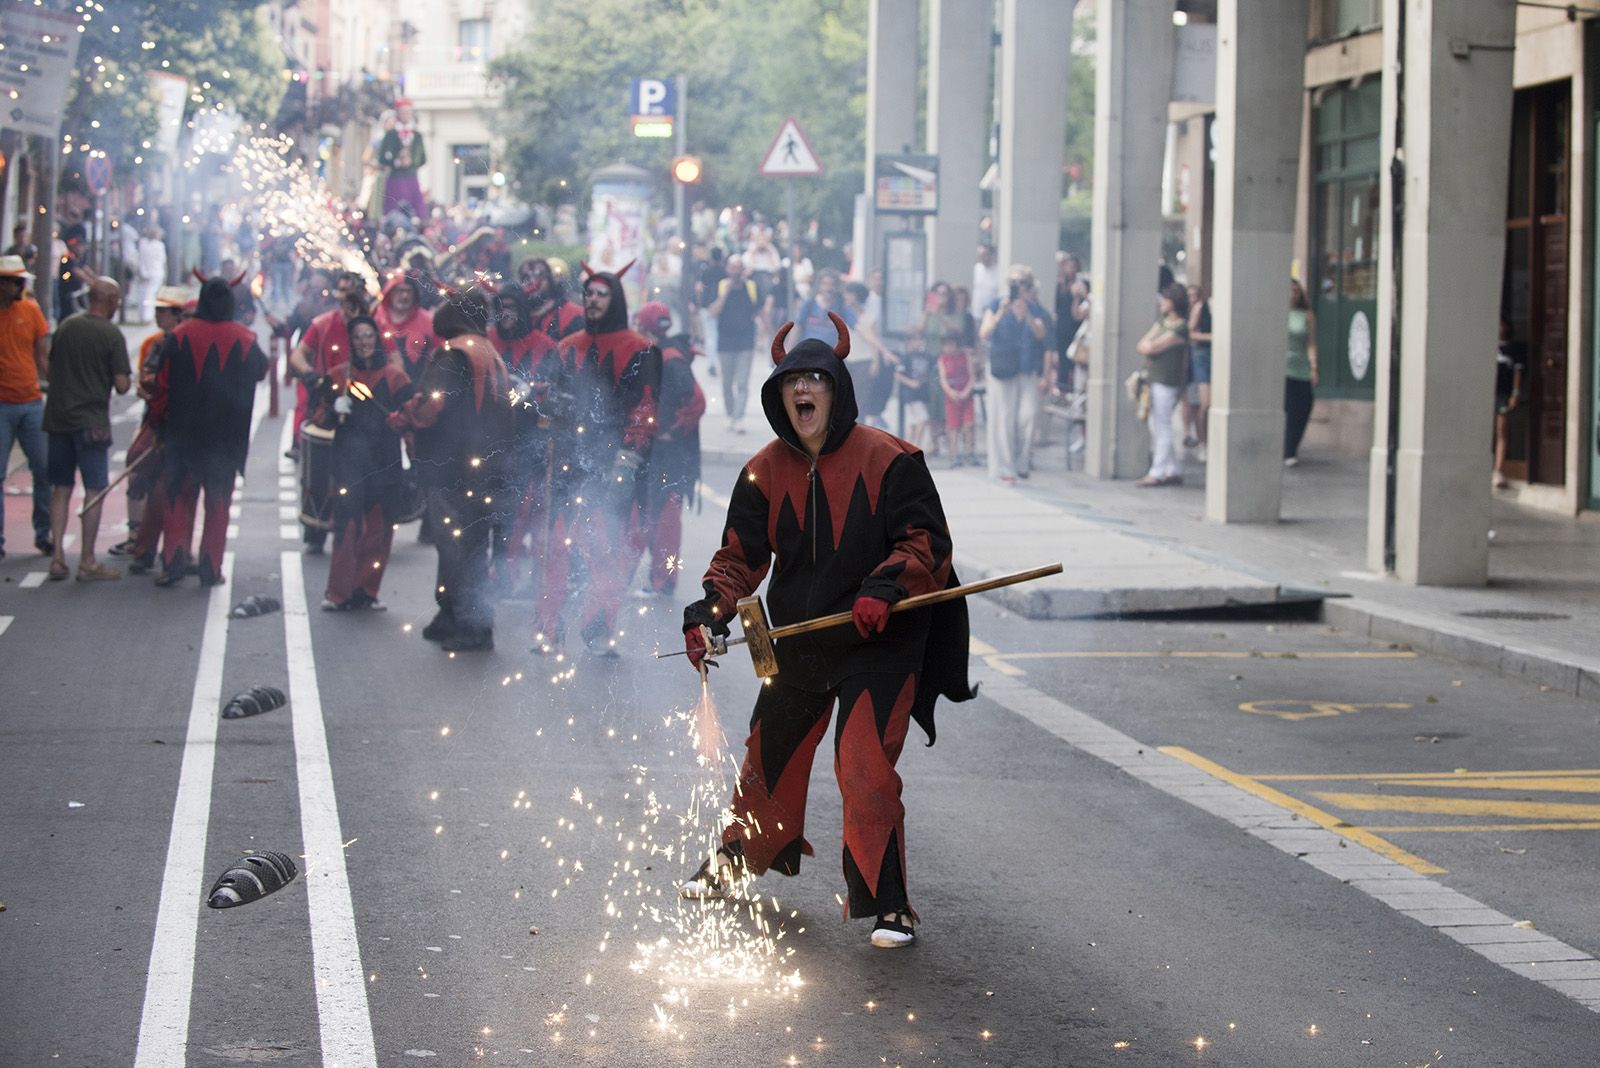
316	476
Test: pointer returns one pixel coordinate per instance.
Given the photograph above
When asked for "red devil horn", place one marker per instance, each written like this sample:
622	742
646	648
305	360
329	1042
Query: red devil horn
777	343
587	270
198	276
842	348
626	268
235	283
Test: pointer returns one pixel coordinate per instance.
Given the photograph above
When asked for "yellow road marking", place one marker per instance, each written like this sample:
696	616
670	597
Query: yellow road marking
1575	825
1565	784
1207	654
1310	812
979	647
1431	776
1463	806
1311	709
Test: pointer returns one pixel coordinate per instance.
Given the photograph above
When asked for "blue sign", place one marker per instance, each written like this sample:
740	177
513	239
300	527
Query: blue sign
653	98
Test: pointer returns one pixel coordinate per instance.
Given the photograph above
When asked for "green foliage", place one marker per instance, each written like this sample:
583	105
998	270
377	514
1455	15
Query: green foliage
223	50
749	63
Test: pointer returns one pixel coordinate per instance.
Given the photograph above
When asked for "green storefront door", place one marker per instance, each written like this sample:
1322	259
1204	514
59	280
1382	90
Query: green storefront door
1344	255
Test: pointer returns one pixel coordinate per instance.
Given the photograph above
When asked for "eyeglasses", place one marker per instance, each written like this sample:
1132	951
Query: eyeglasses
814	379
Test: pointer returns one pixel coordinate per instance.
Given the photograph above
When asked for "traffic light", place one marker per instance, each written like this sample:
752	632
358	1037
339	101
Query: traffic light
686	170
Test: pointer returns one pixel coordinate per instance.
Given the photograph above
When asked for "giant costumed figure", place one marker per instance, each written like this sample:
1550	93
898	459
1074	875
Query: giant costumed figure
847	519
610	379
204	390
401	154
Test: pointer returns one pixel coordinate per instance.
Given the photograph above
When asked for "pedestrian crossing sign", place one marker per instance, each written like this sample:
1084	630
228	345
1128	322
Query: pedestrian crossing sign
791	155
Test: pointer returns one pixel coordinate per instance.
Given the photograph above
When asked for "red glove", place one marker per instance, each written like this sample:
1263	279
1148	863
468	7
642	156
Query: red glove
694	644
871	615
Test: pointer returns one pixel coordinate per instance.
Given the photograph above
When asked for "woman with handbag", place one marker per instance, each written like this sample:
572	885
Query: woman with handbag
1165	348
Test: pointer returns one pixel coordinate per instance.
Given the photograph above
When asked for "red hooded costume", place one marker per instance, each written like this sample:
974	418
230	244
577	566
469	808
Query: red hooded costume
410	335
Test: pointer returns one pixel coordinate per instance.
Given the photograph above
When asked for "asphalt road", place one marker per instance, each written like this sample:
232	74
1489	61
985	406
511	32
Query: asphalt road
510	844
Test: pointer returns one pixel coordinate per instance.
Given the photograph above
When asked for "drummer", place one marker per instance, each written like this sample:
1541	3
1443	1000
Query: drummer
368	490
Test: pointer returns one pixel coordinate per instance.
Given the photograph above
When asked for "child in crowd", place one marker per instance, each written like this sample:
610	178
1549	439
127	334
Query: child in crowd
955	382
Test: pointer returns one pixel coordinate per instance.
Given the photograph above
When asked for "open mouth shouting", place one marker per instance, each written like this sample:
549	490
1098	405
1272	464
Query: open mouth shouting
808	397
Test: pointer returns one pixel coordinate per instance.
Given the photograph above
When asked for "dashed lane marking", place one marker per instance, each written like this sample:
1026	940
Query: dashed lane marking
288	532
5	623
33	579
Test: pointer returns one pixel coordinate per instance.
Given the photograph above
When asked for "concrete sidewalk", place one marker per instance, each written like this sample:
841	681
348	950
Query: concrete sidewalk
1129	550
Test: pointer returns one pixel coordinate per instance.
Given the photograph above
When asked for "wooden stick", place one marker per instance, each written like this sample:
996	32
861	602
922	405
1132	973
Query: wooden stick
100	495
920	601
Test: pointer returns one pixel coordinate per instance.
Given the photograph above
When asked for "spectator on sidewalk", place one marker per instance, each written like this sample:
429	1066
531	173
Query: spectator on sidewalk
22	247
735	311
1300	376
955	383
985	278
1017	329
24	345
88	359
150	272
912	376
875	384
1509	366
1165	348
1197	398
812	322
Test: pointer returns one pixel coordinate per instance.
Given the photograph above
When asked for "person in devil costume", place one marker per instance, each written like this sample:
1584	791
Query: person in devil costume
357	399
674	467
553	314
201	400
406	326
610	379
461	417
531	357
853	520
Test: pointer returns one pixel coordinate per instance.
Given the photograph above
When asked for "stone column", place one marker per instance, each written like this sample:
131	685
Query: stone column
1035	55
1133	74
893	32
958	94
1260	79
1453	106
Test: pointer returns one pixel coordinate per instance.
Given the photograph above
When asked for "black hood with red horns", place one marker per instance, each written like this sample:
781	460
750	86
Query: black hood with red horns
812	355
616	317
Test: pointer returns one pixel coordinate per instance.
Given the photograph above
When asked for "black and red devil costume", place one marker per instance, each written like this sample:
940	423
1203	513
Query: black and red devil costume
674	466
372	491
856	529
609	382
462	419
202	397
531	357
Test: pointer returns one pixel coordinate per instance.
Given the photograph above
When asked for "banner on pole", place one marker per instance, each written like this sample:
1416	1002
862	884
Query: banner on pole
36	69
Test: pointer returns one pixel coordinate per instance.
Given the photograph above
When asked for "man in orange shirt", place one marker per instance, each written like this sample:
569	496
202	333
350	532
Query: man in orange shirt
24	349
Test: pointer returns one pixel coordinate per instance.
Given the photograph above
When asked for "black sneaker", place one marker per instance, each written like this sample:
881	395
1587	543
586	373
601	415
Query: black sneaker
45	545
894	931
142	565
122	548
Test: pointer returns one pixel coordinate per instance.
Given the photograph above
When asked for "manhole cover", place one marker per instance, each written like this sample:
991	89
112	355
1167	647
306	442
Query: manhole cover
1512	613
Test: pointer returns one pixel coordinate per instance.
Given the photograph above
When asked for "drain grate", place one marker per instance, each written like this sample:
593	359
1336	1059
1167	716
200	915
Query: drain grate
1513	614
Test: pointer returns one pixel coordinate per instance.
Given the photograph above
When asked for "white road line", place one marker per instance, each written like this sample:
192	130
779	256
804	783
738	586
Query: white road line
120	456
258	409
1483	930
342	1008
164	1027
289	532
288	511
285	443
33	579
5	623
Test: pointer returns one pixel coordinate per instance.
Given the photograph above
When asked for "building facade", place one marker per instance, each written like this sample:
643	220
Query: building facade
1546	277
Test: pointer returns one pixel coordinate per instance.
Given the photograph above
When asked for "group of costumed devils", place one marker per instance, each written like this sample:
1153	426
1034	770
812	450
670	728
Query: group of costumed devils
550	445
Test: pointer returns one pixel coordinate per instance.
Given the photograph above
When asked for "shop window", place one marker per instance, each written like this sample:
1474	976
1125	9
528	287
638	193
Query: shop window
1344	254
